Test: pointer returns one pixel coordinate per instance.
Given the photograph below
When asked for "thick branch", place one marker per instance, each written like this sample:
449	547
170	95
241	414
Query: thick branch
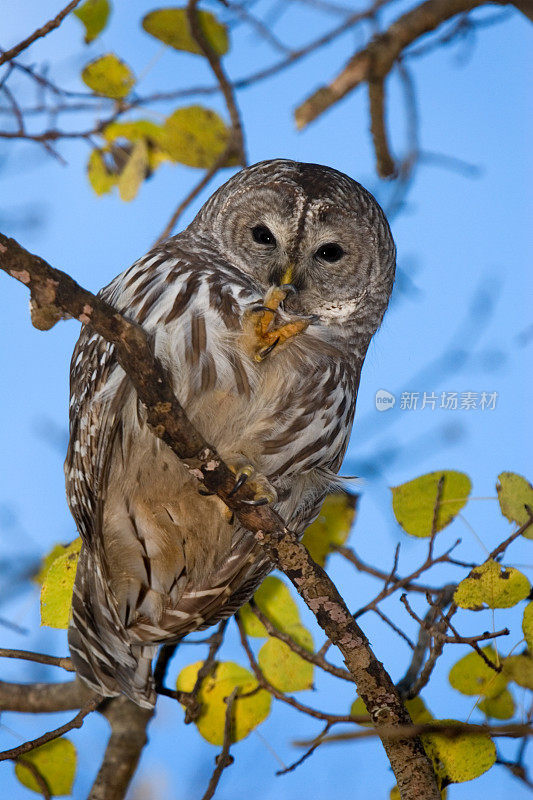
60	294
42	698
128	737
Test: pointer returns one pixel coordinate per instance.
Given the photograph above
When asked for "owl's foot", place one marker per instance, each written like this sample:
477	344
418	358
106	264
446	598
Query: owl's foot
245	473
259	323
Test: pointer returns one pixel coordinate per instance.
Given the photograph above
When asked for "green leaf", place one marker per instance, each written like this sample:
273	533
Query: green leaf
514	494
499	707
101	178
108	76
56	591
282	667
94	15
461	758
414	502
527	626
492	585
171	26
332	526
134	172
274	599
520	670
56	763
471	675
195	136
248	712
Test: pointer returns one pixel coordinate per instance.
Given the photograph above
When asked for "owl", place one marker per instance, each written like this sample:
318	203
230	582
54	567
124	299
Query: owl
261	311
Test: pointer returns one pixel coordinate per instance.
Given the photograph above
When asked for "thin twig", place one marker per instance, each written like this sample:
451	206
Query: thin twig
224	759
291	701
76	722
39	779
7	55
40	658
312	658
316	743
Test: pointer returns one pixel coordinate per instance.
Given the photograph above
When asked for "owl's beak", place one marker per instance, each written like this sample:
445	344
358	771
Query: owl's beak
287	275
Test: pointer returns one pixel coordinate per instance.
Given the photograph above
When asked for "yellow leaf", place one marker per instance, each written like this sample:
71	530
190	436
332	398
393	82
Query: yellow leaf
492	585
332	526
134	172
461	758
171	26
520	670
471	675
56	763
418	711
274	599
248	712
56	591
56	551
499	707
527	626
108	76
94	15
514	494
134	131
195	136
358	709
251	625
283	668
416	707
101	178
413	502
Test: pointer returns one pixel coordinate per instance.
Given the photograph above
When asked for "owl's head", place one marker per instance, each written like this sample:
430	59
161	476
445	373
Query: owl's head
314	227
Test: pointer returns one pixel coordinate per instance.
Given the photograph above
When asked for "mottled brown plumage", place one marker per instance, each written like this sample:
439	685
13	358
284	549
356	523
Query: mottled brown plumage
268	375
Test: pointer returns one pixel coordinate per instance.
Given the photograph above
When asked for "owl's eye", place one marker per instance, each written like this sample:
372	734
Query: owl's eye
330	252
263	235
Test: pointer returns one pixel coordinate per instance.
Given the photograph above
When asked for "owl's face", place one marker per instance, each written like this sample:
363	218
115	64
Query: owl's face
310	226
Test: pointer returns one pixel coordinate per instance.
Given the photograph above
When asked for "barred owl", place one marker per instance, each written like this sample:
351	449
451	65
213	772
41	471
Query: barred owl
262	311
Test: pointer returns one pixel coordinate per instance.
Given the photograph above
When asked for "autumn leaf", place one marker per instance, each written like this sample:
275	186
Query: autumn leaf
414	502
108	76
171	26
248	712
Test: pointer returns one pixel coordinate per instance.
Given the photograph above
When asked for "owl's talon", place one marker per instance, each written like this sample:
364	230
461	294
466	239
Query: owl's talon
259	322
264	492
242	477
289	288
262	354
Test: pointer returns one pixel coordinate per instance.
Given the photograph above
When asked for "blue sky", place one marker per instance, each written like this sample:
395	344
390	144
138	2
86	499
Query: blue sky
458	323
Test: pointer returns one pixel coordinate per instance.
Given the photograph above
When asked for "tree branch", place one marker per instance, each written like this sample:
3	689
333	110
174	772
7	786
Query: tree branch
7	55
76	722
374	62
39	658
128	737
42	698
54	295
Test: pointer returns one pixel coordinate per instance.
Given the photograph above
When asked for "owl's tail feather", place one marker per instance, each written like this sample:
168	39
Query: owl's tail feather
101	652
